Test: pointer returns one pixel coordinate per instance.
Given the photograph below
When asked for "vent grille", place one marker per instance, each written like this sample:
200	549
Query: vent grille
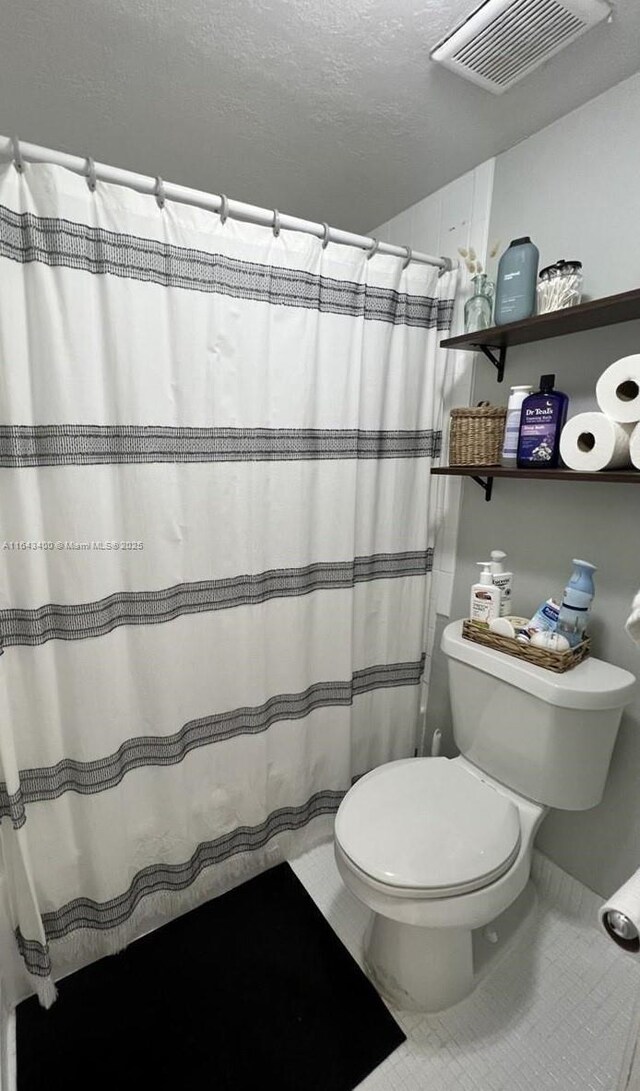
504	40
516	39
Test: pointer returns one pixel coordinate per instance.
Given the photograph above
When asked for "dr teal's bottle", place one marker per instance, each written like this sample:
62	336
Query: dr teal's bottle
516	282
541	422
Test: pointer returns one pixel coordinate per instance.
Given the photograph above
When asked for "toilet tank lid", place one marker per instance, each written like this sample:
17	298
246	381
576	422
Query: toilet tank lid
593	684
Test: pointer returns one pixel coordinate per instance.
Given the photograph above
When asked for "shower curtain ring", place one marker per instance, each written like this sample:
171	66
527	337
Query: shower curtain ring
325	237
159	193
224	209
373	249
18	161
408	257
276	223
90	174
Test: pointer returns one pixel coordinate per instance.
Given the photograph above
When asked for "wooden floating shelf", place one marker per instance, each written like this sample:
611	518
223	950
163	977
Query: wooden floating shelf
628	477
484	475
591	315
586	316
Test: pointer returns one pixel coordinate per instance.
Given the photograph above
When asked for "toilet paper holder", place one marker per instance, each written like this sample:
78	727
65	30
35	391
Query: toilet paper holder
622	929
620	915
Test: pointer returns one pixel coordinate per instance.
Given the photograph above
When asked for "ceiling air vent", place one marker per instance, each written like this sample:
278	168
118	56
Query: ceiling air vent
504	40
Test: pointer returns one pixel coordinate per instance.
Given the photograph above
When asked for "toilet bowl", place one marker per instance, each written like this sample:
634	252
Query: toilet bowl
437	847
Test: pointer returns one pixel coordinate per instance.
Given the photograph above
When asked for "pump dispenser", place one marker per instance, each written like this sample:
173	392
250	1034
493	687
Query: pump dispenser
503	580
485	596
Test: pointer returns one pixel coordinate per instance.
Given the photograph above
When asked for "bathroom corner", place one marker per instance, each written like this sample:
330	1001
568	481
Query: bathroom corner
541	525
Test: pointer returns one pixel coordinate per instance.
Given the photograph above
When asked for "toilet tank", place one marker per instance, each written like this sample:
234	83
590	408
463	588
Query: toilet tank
548	736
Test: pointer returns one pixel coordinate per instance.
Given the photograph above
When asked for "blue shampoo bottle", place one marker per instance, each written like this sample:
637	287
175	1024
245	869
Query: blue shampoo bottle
541	423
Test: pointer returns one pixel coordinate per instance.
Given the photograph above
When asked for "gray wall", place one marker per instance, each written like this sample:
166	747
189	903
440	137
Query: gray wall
575	188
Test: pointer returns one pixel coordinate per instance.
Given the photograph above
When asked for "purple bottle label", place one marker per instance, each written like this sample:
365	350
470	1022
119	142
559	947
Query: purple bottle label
538	430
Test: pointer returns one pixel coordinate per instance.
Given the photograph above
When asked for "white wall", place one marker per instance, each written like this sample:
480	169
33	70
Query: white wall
455	216
574	187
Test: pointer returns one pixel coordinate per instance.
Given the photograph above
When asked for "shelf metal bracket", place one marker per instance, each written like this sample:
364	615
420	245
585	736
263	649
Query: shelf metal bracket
498	361
487	486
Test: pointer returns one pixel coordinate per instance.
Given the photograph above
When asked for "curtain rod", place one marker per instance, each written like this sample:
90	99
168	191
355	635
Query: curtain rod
20	151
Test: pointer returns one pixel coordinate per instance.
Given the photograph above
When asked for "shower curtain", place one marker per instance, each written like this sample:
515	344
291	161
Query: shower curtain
215	549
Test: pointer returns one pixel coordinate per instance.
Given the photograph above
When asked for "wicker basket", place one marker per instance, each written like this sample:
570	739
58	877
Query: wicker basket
542	657
475	435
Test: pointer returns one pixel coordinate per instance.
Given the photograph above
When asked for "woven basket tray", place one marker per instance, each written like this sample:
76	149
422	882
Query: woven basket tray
542	657
476	434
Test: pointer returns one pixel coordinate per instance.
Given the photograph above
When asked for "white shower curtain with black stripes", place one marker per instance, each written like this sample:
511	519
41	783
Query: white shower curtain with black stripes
215	549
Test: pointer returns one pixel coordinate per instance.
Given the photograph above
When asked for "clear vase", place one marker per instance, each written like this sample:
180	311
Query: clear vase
478	310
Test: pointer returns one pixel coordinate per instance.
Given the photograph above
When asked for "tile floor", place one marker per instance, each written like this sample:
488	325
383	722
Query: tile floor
552	1013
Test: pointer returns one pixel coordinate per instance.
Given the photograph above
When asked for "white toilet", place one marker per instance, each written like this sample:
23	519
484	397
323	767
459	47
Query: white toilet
437	847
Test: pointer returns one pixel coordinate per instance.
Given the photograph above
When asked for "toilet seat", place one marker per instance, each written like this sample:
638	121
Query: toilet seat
429	826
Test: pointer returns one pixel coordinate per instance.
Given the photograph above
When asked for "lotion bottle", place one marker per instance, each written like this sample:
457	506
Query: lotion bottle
503	580
485	596
509	455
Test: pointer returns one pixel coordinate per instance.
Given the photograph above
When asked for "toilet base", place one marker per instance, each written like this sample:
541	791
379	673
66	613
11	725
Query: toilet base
419	969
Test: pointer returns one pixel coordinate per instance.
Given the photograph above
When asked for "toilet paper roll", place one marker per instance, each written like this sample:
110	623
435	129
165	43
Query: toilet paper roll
592	442
620	916
618	390
634	447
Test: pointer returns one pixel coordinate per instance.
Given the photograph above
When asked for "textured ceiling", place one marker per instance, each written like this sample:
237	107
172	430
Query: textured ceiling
329	109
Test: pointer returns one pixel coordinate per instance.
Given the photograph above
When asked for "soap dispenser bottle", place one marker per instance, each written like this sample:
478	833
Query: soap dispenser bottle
541	423
485	596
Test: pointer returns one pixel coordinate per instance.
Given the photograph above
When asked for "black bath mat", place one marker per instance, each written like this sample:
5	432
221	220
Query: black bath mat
252	990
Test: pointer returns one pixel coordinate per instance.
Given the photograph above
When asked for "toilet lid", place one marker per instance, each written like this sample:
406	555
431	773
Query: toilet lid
428	824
